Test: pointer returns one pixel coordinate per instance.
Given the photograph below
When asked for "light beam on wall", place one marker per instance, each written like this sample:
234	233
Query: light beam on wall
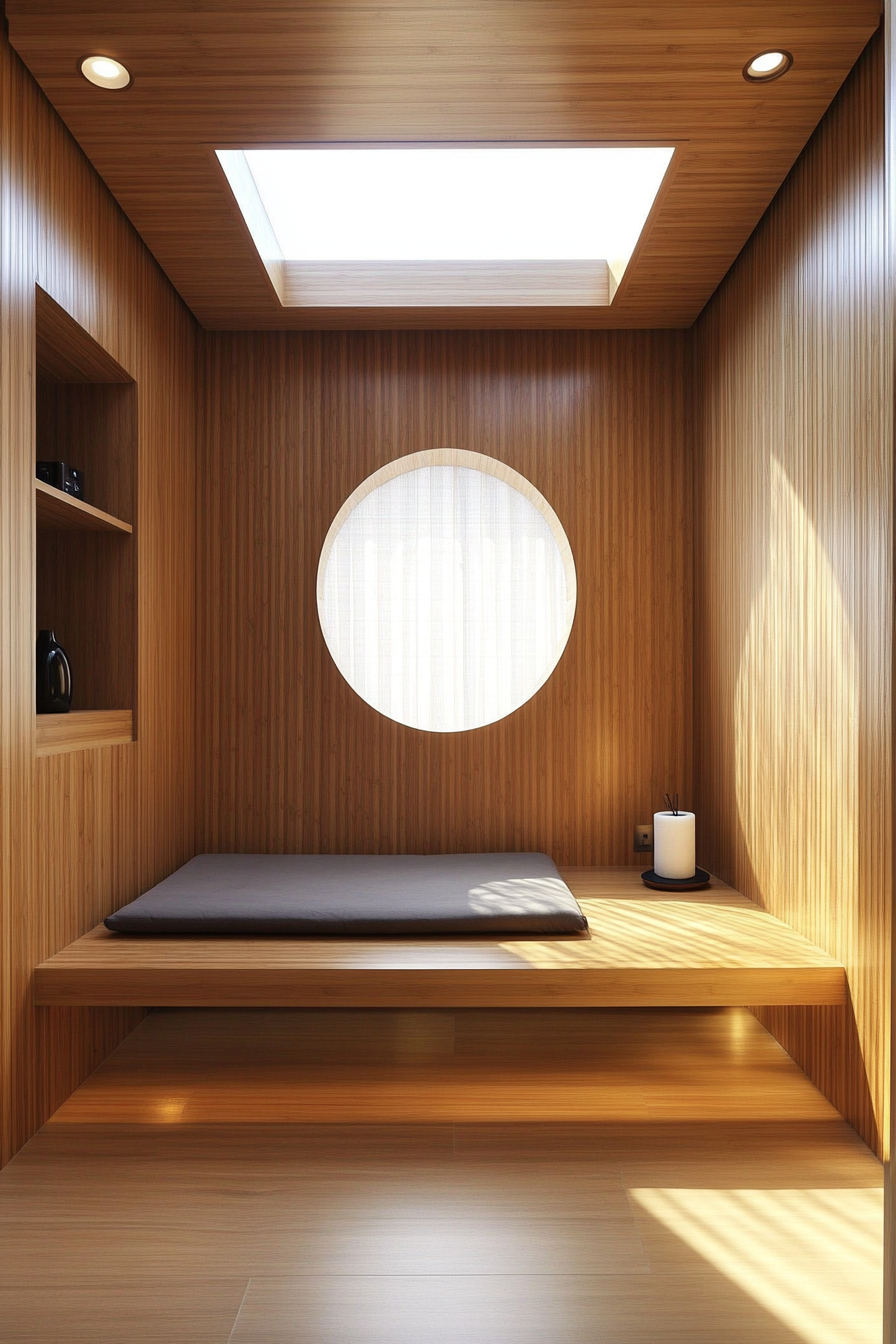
796	725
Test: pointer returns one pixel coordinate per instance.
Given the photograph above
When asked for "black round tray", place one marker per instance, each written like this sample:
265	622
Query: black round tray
695	883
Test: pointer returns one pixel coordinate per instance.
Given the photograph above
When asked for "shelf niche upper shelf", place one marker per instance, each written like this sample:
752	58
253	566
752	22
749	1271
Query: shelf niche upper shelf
57	511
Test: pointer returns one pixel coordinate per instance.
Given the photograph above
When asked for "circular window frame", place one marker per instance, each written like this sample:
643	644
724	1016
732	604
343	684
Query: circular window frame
489	466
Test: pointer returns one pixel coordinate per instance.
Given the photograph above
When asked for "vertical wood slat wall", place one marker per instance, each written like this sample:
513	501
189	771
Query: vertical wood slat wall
793	614
81	833
291	758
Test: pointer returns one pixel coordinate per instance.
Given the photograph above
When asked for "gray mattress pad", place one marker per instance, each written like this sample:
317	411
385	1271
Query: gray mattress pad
357	895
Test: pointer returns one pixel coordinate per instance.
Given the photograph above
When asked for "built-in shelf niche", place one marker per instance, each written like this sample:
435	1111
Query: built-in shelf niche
86	415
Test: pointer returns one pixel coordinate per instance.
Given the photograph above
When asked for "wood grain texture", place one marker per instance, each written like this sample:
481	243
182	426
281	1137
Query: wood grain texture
484	1067
80	729
93	426
219	74
795	592
56	511
439	285
391	1177
64	352
699	949
292	759
83	831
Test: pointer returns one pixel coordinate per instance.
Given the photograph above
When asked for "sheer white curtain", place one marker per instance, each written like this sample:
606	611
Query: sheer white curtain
444	598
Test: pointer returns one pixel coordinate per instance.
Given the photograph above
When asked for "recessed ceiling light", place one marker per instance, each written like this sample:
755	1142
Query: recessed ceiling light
105	73
768	65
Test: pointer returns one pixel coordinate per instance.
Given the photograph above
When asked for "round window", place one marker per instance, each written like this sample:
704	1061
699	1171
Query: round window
446	590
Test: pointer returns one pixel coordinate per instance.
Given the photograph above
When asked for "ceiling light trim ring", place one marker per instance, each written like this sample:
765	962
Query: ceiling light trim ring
765	77
115	82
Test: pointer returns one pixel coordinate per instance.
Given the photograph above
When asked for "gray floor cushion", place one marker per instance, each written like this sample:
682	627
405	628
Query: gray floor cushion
357	895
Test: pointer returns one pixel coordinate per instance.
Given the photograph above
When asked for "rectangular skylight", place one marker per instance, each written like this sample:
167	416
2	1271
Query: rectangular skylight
434	204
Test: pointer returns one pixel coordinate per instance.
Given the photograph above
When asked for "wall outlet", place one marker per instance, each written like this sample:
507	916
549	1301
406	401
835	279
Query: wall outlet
643	838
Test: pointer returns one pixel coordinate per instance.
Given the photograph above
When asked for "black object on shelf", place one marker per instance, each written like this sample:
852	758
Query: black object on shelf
54	676
695	883
70	480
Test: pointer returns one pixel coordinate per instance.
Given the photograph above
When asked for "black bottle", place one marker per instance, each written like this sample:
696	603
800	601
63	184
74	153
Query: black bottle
54	676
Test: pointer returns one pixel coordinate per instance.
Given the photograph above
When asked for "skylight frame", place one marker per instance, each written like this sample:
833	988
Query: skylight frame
446	285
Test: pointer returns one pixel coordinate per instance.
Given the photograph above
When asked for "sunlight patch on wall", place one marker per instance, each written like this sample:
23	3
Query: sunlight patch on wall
796	724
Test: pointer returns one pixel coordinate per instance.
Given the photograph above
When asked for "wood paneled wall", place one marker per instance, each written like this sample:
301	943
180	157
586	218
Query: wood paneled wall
291	758
82	832
793	615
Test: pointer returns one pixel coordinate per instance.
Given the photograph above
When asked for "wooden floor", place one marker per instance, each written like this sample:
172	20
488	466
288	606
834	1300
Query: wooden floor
477	1177
646	948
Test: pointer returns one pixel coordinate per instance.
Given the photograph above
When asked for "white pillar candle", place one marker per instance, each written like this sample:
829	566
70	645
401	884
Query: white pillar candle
674	848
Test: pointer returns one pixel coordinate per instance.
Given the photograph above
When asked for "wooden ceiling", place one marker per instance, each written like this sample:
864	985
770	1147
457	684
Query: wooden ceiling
215	73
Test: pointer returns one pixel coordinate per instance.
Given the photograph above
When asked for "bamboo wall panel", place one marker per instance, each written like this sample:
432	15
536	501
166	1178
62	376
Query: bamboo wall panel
84	831
291	758
794	584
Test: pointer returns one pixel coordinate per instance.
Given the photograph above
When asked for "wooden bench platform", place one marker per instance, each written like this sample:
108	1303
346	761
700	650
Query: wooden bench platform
646	949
